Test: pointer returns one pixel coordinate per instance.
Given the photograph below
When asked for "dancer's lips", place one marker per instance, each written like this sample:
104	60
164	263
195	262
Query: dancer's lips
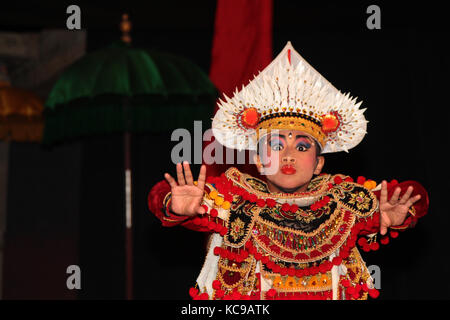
288	169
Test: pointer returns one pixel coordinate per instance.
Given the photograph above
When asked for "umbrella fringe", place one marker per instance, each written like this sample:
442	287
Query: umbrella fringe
68	122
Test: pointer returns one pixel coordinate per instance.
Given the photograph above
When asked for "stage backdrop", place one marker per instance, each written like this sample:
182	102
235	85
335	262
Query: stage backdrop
400	74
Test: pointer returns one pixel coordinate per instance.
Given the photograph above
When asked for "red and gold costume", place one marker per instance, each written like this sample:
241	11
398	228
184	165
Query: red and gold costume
287	246
267	245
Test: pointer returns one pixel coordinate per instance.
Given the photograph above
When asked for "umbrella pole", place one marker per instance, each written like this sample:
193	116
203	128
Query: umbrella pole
125	27
128	217
4	156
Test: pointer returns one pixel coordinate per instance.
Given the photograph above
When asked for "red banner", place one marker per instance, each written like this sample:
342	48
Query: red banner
242	46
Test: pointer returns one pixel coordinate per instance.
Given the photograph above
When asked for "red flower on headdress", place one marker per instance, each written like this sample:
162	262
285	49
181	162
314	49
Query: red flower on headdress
330	122
249	118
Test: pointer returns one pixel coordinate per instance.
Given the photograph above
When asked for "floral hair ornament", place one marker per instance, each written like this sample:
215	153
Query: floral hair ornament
290	94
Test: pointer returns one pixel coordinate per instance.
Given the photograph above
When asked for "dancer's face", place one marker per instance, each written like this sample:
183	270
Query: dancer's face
288	159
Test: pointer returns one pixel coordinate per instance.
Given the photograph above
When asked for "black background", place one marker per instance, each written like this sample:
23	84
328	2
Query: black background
66	203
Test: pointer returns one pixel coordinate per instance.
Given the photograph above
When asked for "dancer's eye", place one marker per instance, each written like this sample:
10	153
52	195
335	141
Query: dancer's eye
303	146
276	145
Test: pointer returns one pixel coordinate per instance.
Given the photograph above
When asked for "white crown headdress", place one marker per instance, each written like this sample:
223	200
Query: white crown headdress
290	94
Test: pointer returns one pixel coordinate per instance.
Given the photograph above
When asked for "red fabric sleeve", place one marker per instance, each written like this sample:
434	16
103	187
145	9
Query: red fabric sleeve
168	219
156	205
420	207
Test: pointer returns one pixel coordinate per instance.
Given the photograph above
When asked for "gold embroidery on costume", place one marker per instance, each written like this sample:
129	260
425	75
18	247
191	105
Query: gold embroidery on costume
237	275
316	283
293	245
305	215
360	201
243	213
237	229
357	271
355	198
299	238
258	187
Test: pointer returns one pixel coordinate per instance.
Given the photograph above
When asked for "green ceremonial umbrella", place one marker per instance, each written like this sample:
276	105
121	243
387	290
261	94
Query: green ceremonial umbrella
162	91
125	89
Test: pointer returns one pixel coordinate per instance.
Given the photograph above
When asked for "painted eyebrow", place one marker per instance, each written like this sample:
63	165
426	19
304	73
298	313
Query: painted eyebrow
276	135
302	136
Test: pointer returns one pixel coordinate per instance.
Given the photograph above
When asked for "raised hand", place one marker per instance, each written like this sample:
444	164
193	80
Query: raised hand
186	196
394	211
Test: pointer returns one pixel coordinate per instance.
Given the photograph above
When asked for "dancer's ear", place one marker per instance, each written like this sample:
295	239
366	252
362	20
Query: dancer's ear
320	162
258	163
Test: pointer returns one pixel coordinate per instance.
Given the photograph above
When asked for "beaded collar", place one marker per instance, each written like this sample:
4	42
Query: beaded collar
316	189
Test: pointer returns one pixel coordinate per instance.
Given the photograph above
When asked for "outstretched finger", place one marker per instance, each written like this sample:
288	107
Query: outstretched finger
180	175
383	230
384	193
384	224
201	177
407	195
170	180
413	200
394	197
201	210
188	173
